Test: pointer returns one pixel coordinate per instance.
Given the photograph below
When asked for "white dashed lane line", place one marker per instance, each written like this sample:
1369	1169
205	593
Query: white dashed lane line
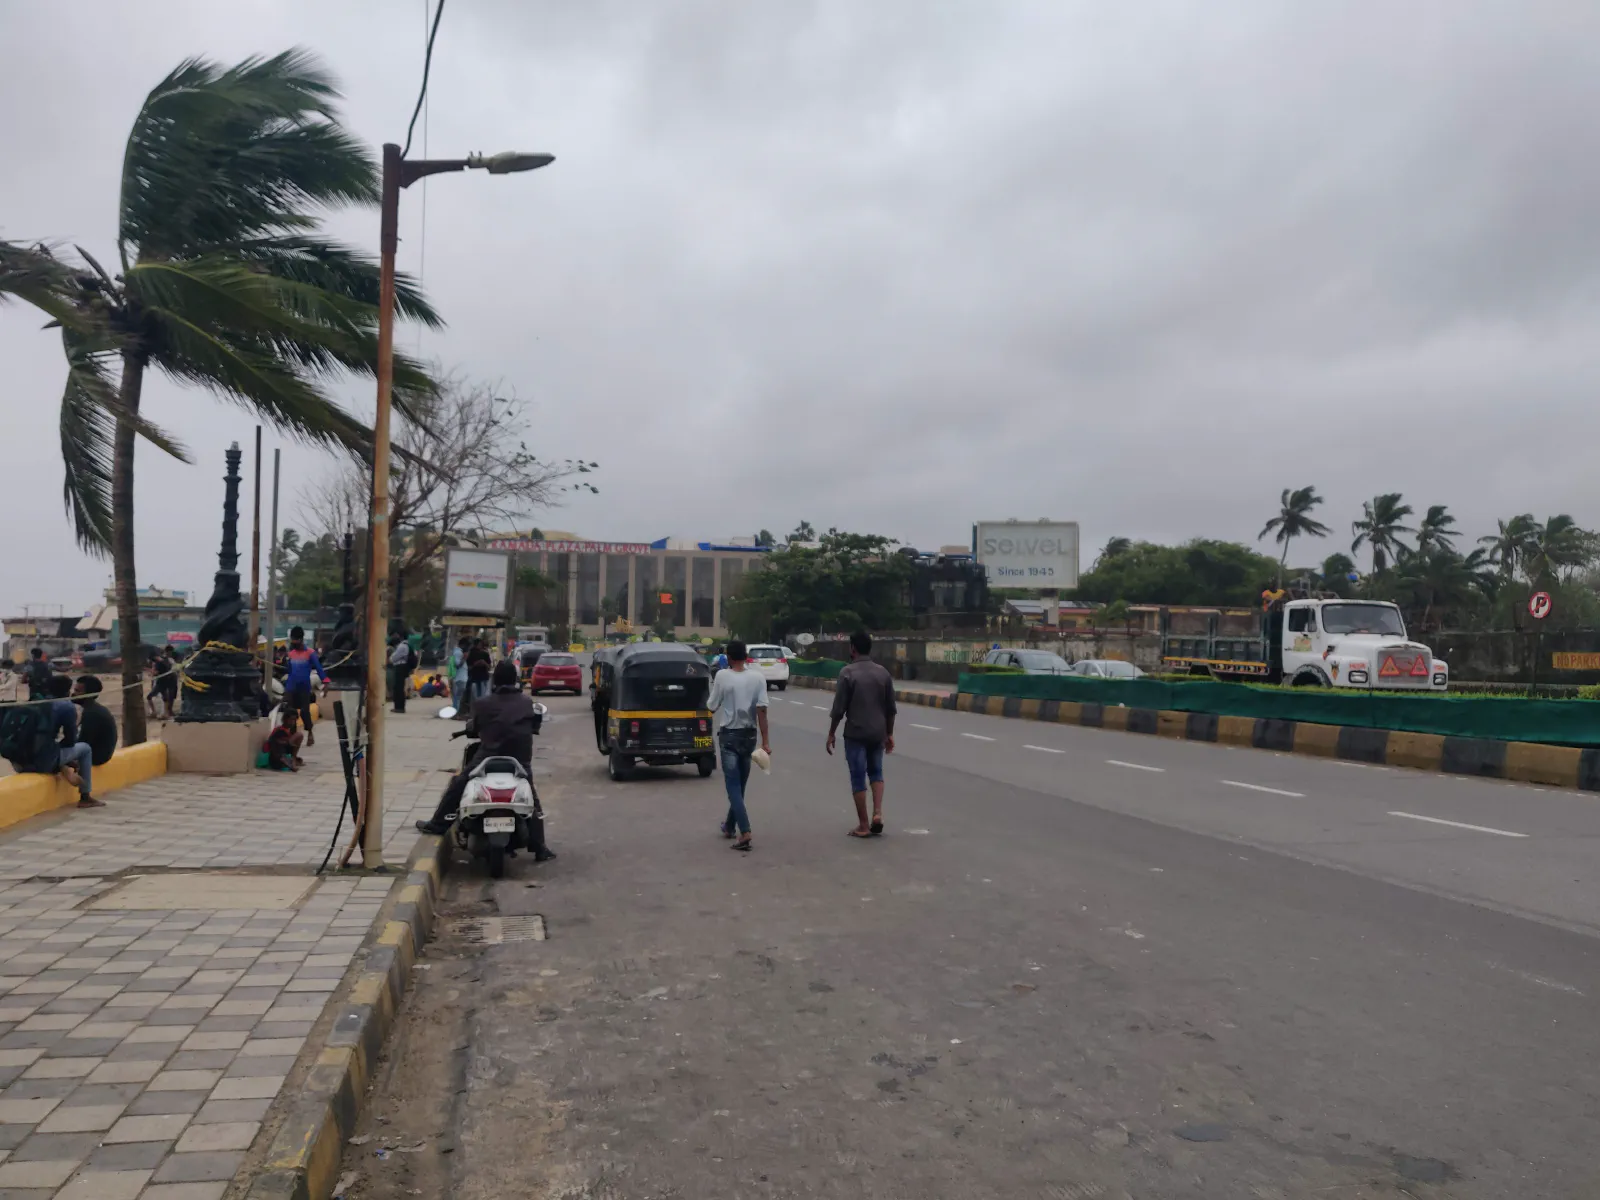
1458	825
821	708
1256	787
1117	762
1043	749
914	725
978	737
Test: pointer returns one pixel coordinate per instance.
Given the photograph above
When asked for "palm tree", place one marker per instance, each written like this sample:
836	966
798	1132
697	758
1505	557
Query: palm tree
224	282
1434	529
1512	541
1556	549
1293	519
1113	547
1335	573
1380	528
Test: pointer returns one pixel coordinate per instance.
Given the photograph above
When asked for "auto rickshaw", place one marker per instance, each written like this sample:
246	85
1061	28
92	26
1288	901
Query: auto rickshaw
649	704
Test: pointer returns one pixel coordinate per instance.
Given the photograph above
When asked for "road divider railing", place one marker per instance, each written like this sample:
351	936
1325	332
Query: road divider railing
1490	757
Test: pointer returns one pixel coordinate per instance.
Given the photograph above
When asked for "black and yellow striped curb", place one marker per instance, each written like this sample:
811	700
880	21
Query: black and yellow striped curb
1522	762
302	1162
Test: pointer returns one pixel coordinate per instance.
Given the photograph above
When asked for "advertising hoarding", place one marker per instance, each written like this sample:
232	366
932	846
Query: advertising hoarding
1028	554
476	581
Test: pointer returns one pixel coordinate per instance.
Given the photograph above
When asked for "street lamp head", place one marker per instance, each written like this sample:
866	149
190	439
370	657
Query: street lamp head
509	162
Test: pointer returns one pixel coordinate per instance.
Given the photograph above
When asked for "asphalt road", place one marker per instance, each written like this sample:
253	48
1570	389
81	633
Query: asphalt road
1080	964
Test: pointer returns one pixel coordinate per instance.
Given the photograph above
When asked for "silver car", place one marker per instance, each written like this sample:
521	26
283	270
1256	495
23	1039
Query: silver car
1034	662
1106	668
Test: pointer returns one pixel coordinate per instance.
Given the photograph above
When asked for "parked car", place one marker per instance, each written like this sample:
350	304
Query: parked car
1034	662
1106	668
773	662
557	670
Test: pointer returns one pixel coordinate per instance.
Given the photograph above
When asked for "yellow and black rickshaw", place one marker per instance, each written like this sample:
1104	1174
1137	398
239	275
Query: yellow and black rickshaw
649	704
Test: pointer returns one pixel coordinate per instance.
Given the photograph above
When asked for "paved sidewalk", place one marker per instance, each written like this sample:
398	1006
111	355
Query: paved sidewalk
148	1017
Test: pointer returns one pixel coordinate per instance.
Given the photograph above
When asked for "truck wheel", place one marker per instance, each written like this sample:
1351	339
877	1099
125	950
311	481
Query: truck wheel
1309	679
497	861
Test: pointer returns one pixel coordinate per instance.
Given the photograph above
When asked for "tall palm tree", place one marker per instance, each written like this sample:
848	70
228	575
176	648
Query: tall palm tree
1508	545
1556	549
225	282
1380	528
1434	531
1293	520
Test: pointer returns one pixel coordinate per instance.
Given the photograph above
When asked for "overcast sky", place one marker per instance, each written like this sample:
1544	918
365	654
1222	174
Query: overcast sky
901	265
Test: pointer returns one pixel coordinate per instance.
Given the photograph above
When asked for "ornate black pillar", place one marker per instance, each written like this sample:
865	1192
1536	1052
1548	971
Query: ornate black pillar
221	680
344	661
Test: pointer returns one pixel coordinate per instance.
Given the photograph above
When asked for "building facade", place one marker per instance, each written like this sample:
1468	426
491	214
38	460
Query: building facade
672	583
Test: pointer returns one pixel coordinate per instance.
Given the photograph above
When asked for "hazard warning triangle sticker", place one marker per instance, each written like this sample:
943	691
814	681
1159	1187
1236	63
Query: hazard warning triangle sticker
1419	667
1388	669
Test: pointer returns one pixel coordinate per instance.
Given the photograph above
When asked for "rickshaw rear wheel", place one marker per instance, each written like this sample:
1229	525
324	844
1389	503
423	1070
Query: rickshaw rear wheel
707	765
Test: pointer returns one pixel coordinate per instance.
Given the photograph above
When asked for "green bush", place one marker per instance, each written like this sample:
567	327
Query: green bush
992	669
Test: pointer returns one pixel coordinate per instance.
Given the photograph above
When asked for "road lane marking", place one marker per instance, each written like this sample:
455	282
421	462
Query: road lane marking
1256	787
821	708
1043	749
978	737
1458	824
1117	762
914	725
800	703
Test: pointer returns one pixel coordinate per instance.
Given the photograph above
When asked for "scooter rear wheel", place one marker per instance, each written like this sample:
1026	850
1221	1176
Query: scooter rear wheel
497	862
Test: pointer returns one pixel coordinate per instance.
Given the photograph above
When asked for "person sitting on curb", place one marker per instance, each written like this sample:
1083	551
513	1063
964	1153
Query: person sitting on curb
74	760
96	725
283	743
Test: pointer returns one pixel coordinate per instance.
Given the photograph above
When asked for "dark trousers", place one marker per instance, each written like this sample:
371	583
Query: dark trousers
398	677
299	699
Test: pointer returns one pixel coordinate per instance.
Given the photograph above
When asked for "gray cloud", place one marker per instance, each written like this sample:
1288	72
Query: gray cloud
904	265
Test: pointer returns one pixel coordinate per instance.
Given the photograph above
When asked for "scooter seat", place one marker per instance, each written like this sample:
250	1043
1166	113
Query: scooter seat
500	762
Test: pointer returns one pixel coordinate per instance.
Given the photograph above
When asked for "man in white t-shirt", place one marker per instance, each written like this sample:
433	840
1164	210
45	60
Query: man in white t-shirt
738	702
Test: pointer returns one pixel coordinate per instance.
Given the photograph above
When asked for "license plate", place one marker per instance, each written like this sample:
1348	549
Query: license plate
702	743
499	824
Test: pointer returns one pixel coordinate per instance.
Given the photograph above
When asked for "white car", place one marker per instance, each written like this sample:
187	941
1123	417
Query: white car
773	662
1034	662
1106	668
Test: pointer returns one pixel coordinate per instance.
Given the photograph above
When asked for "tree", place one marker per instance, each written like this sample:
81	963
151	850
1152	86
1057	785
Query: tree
1380	528
1434	582
1434	530
850	581
609	612
1197	572
1510	543
461	471
803	533
224	282
1334	574
765	538
1113	547
1557	550
1294	520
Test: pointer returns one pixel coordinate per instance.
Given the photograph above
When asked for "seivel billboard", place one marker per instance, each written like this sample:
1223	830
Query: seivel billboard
1028	554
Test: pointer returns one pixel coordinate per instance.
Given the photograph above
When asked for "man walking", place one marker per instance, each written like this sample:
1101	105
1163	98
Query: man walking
37	675
300	662
738	703
864	700
399	675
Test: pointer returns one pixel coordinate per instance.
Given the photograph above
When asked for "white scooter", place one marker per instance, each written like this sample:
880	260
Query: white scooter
500	810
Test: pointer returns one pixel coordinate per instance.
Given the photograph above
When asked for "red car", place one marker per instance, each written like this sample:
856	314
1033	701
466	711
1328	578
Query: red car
557	671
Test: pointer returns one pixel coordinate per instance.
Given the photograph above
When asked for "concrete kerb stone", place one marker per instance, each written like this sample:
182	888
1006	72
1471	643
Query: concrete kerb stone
1523	762
302	1158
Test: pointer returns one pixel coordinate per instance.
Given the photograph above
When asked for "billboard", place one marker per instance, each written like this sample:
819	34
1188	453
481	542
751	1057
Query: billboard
1028	554
476	581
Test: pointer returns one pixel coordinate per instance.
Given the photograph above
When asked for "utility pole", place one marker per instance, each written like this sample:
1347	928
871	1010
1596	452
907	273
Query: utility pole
255	557
272	580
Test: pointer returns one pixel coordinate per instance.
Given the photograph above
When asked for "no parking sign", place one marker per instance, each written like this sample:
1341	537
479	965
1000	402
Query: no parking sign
1539	605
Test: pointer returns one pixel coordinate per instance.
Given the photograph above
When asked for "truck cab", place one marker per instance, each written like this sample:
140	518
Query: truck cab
1355	644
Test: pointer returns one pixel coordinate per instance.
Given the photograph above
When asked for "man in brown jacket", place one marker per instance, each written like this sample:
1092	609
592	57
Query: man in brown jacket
864	700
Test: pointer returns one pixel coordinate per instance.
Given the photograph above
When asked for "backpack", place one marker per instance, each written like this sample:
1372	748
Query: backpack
27	736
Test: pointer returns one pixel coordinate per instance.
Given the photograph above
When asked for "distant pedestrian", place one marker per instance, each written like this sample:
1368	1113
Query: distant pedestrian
163	685
301	661
37	674
864	700
399	656
738	703
480	664
458	676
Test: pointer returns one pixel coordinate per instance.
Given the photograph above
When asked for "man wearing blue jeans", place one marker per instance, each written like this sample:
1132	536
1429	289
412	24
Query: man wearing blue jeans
73	759
864	700
738	703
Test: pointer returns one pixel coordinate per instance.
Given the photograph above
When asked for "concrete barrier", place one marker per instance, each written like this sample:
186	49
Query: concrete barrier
1521	762
24	796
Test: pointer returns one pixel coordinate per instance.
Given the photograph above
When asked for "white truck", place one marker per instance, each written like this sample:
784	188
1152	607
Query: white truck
1303	641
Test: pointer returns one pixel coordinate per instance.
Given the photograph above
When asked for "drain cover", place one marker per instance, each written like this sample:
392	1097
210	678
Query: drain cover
495	931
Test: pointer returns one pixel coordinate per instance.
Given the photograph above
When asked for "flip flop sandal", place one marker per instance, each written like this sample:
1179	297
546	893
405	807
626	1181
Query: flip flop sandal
725	831
743	846
877	829
856	833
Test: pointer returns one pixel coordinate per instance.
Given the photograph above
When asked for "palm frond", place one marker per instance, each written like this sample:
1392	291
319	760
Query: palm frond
218	155
35	275
300	258
87	426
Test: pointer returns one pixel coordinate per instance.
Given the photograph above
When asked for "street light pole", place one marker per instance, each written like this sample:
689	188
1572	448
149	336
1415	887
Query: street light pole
398	172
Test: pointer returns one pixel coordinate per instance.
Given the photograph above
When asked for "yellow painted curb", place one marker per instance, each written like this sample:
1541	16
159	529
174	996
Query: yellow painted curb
1112	717
1557	766
1236	731
1029	709
1172	724
1423	750
24	796
1069	712
1320	740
